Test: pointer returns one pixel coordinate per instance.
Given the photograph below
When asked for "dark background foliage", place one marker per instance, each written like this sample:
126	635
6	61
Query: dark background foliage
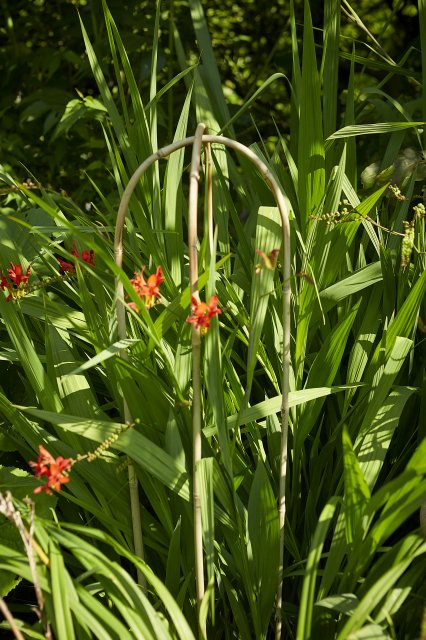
43	66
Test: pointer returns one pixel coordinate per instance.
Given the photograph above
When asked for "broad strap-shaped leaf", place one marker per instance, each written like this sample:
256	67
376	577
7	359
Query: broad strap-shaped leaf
268	241
307	600
383	380
378	127
174	200
310	154
357	493
324	368
63	594
373	446
273	405
206	478
264	533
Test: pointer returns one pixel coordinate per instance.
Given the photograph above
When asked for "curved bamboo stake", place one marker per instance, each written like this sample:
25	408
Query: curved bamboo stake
133	480
194	178
209	171
121	318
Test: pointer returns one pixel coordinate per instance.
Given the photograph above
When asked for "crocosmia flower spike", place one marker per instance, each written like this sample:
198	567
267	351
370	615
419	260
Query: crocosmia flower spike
149	289
203	312
15	281
54	469
86	256
66	266
17	276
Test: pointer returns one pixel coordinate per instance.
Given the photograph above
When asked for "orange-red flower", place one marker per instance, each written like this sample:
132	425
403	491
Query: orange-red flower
54	469
149	289
17	276
203	312
14	279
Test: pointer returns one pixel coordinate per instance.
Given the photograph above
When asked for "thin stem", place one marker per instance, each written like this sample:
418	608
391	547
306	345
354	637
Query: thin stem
33	567
196	373
136	521
134	496
10	619
118	247
7	508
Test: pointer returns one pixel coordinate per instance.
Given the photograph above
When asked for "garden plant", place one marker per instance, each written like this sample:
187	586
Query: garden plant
212	350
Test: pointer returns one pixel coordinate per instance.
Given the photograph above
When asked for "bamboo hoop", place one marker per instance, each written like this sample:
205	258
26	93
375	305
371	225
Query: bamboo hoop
286	274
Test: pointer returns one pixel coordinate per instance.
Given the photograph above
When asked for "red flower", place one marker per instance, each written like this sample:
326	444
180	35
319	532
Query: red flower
16	275
147	289
55	470
66	266
15	279
86	256
203	312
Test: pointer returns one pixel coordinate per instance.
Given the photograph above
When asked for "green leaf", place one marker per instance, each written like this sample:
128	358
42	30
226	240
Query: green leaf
103	355
343	603
273	405
347	286
20	336
307	599
370	632
122	580
214	383
108	101
323	370
61	595
357	493
264	533
373	446
268	239
76	110
174	201
330	64
173	568
211	77
375	595
311	180
378	127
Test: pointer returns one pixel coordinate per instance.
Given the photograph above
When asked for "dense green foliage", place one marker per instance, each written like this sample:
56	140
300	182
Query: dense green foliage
336	113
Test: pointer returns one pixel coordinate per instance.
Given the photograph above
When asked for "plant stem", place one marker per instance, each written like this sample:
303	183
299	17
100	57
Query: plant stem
136	521
10	619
